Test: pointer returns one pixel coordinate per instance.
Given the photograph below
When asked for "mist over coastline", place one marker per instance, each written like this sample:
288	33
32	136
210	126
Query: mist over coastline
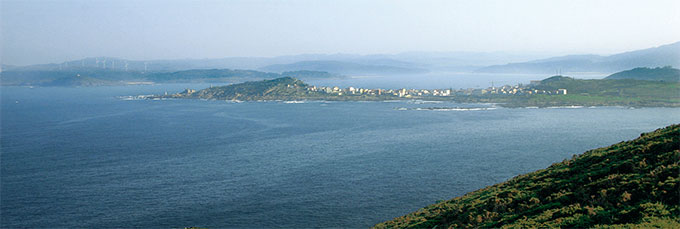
339	114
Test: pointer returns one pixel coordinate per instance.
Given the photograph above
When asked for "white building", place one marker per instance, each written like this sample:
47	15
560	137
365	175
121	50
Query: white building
561	91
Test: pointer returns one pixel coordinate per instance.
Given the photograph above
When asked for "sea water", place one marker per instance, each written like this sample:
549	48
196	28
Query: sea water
84	157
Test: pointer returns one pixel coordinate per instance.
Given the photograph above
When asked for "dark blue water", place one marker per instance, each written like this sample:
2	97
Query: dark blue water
79	157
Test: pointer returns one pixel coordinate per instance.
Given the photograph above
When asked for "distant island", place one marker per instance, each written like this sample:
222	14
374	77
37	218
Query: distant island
285	88
631	184
111	77
553	91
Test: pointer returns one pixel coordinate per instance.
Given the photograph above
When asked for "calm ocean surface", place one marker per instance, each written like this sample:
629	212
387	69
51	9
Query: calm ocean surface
80	157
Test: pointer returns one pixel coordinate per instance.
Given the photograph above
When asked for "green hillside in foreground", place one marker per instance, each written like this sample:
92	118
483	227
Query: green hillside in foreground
629	184
667	74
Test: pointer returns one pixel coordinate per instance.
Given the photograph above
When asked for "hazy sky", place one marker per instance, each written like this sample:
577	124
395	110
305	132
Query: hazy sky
54	31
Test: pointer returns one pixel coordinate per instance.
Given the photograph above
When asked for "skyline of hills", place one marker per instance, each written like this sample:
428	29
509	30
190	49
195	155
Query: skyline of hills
408	62
423	60
665	55
96	77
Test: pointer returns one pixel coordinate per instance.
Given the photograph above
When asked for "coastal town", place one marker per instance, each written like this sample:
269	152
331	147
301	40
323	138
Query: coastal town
550	92
519	89
291	88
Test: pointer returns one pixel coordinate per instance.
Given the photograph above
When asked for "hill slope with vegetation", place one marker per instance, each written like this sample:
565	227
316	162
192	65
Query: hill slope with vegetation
595	92
282	89
609	87
634	93
632	183
668	74
285	88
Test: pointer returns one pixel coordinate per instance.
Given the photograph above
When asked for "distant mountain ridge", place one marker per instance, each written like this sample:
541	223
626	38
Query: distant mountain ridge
408	61
380	64
665	55
101	77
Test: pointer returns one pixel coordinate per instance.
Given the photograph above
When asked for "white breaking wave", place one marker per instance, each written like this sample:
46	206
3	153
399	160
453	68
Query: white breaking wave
447	109
293	101
565	107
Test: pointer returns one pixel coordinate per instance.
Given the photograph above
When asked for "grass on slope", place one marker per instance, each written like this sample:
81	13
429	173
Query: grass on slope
668	74
609	87
629	184
280	88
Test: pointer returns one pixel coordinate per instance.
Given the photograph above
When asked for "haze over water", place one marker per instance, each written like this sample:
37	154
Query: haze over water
78	151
